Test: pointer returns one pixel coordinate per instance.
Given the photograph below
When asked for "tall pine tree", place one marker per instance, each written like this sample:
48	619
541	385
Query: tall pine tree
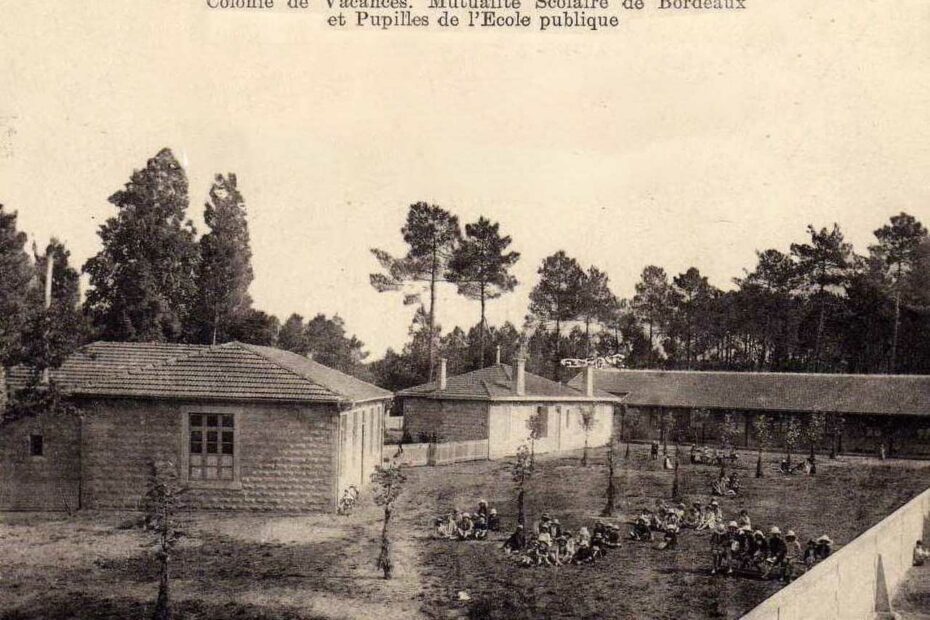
556	298
432	235
225	270
480	266
143	278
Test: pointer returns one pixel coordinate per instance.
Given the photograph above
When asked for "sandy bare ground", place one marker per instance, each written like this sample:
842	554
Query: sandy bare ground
263	567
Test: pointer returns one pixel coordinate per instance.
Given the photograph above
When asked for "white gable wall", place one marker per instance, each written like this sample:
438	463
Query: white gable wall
508	427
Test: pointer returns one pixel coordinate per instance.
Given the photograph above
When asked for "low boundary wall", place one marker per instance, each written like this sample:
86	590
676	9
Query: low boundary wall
418	454
859	579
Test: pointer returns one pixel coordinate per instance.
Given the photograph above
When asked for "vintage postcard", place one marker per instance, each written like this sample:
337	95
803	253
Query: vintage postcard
504	309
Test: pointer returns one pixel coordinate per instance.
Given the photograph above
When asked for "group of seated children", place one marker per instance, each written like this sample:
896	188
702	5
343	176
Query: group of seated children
806	466
664	520
551	545
736	546
726	486
702	517
468	526
711	456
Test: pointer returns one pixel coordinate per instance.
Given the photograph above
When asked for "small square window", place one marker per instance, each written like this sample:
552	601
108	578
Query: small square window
196	419
212	420
36	445
228	421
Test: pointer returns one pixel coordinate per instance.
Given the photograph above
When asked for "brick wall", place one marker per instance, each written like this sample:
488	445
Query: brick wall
47	482
452	420
286	454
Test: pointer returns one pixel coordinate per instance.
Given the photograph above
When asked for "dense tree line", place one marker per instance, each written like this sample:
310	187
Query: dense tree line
817	306
153	280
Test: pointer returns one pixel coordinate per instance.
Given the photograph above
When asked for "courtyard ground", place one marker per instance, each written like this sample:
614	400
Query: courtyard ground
92	565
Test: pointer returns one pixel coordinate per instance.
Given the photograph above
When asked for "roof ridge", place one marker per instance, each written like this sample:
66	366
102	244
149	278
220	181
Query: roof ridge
251	349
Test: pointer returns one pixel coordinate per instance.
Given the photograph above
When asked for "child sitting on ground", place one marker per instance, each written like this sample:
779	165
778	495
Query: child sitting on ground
920	554
516	542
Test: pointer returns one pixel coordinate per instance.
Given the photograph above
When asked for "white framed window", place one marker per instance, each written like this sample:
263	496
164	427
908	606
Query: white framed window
211	448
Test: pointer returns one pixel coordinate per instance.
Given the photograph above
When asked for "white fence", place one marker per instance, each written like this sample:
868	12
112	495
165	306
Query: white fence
394	422
858	580
417	454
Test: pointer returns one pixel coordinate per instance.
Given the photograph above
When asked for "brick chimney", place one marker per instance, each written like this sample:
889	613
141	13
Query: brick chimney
589	381
519	381
442	373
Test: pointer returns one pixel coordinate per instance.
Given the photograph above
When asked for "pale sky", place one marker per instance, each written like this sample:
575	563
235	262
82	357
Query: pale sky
677	140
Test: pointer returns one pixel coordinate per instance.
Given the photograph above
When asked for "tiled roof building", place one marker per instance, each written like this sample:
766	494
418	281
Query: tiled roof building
248	427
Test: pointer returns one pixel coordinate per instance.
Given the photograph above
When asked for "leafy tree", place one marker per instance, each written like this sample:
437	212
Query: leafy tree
255	327
480	266
55	328
792	433
16	273
293	335
588	422
896	252
729	429
397	371
329	344
611	493
521	471
225	270
389	483
432	235
556	297
763	429
537	425
813	431
143	278
161	505
822	265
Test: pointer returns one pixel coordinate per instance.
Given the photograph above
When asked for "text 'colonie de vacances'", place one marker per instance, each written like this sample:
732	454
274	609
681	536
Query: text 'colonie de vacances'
543	15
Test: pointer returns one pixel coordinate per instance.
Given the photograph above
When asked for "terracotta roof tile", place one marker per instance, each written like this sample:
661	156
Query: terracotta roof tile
231	371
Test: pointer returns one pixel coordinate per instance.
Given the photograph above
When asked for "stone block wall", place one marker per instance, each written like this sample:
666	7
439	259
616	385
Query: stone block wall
49	481
286	455
451	420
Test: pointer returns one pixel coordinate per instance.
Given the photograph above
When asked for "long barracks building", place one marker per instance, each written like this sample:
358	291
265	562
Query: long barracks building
860	412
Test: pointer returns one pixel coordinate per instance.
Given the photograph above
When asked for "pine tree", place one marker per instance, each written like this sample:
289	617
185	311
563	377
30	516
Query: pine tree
225	270
896	251
823	264
480	267
652	301
432	235
143	278
556	297
597	303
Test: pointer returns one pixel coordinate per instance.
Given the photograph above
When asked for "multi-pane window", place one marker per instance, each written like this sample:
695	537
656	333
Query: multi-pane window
212	446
